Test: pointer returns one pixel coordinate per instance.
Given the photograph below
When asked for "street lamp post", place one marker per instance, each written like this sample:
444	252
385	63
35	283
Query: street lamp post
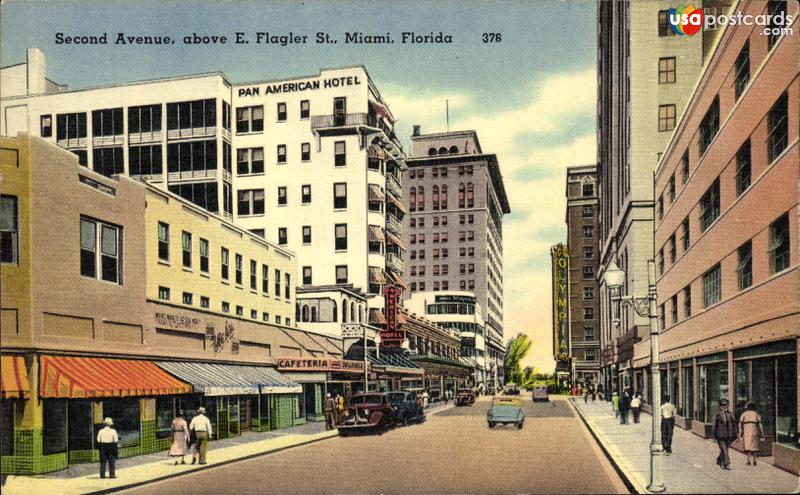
645	307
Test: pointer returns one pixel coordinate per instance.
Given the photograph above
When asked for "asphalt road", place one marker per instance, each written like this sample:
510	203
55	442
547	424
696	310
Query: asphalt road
454	452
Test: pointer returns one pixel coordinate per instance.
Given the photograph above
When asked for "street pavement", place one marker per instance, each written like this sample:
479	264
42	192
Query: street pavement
691	468
454	451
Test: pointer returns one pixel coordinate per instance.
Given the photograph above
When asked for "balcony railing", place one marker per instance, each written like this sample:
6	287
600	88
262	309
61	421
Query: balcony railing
145	137
395	262
342	120
193	174
393	225
190	132
116	139
393	186
79	142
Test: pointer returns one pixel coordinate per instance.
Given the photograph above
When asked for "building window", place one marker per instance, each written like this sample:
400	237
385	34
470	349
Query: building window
202	194
588	313
661	261
673	250
224	263
250	119
281	153
339	154
250	202
188	298
709	126
339	195
238	268
305	151
779	244
70	126
145	160
191	114
254	314
341	274
203	255
163	293
709	206
687	301
712	286
194	156
239	310
666	117
249	161
281	112
265	317
306	275
186	244
277	284
588	211
287	288
144	119
283	237
660	207
305	109
107	122
46	125
163	241
685	234
205	302
470	195
340	232
744	270
588	333
9	230
253	276
778	127
588	272
107	239
588	292
671	189
305	193
743	171
306	234
588	231
265	279
742	68
685	167
673	309
666	70
282	199
776	10
664	27
108	161
588	252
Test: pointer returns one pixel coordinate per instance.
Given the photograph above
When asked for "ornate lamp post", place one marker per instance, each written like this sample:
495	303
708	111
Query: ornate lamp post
645	307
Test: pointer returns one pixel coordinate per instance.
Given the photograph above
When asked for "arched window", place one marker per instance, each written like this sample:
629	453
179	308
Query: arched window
431	151
335	315
360	313
461	189
297	311
421	199
470	195
443	198
435	197
443	150
352	311
412	194
313	314
305	312
344	311
453	149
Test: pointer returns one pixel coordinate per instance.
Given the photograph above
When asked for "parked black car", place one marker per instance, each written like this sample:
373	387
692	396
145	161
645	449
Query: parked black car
406	407
367	413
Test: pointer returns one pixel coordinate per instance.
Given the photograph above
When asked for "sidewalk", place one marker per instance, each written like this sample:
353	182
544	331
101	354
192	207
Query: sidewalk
692	466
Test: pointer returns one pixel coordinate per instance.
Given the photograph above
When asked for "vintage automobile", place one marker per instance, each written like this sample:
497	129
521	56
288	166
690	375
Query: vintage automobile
511	389
406	407
506	410
540	393
367	413
465	397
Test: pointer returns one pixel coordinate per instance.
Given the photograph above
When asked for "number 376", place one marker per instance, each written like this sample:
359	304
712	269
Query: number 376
491	37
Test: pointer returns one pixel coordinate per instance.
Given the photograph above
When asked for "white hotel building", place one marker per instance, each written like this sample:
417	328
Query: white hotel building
311	163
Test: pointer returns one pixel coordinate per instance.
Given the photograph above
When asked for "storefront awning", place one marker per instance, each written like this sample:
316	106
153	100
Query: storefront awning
231	379
395	240
14	378
376	276
375	234
470	362
65	377
375	193
395	363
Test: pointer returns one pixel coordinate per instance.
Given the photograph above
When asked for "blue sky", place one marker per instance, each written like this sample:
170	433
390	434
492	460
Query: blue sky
531	97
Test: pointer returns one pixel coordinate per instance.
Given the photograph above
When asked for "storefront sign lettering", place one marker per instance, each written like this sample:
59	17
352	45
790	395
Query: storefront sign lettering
292	87
392	336
218	340
455	299
560	255
293	364
177	321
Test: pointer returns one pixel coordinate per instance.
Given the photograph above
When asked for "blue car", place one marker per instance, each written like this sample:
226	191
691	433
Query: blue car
506	410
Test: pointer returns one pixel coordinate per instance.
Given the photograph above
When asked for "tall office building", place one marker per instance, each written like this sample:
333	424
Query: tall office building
645	76
454	228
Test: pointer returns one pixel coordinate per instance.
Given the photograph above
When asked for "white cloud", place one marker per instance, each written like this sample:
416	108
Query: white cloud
534	145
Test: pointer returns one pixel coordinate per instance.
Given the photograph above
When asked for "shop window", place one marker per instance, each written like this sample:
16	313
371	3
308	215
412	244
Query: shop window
7	427
165	413
686	405
54	427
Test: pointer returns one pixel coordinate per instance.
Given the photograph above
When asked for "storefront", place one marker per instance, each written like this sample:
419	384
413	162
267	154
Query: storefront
391	368
14	389
321	376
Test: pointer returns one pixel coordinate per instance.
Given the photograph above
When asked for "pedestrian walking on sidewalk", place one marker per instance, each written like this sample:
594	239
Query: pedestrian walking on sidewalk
201	425
594	393
624	406
615	404
180	438
339	408
330	412
667	424
107	440
426	398
751	432
586	396
636	407
724	432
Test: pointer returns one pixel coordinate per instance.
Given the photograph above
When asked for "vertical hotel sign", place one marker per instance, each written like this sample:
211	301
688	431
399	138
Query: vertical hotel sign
392	336
560	257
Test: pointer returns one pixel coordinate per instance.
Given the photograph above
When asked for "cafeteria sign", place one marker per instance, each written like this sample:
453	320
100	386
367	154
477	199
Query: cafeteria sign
391	336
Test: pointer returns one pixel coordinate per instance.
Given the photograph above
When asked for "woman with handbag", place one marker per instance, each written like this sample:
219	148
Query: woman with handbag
180	438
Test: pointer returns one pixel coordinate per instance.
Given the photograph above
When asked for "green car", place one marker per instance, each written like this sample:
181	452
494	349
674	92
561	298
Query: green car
506	410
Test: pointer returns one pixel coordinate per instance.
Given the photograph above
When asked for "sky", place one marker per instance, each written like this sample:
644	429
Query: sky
531	97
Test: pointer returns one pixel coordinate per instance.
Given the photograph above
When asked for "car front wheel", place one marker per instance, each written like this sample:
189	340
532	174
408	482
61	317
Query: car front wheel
491	425
519	425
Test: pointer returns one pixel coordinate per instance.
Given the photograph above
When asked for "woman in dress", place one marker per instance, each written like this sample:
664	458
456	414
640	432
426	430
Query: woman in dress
180	438
750	432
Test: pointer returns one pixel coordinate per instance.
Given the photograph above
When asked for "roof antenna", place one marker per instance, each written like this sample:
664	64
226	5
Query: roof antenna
447	113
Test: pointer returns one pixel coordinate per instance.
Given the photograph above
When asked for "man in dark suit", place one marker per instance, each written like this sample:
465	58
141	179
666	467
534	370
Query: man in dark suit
724	432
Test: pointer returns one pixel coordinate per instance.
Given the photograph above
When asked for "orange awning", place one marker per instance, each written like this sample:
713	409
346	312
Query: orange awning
82	377
401	319
14	378
376	276
375	193
396	240
375	233
376	316
398	204
398	280
375	151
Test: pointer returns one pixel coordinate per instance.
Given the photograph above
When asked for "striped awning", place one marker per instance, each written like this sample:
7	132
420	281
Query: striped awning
375	151
398	280
65	377
395	240
376	276
376	316
375	193
375	234
398	204
231	379
14	378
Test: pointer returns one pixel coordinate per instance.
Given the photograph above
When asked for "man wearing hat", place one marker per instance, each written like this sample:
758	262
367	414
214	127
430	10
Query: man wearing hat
724	431
330	412
107	439
201	425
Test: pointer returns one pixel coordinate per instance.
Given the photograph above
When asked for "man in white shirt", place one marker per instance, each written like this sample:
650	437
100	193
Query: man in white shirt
667	424
107	439
201	425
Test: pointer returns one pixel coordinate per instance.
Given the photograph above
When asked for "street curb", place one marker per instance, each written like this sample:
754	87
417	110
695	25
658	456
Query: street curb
626	477
211	466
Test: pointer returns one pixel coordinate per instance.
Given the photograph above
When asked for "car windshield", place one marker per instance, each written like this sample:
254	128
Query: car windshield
397	397
366	399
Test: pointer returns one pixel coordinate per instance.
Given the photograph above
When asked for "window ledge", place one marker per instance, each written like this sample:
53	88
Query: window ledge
188	269
239	286
249	133
253	291
252	174
226	282
164	263
205	274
